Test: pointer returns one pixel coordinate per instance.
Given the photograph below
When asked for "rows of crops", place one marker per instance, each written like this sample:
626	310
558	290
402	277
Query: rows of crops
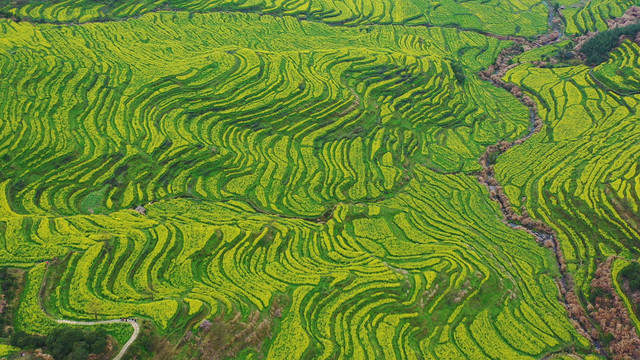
502	17
622	72
275	157
402	278
580	174
505	17
584	16
342	125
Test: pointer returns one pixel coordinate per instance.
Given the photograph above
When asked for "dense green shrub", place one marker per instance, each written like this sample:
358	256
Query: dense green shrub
9	284
70	343
598	47
23	340
458	72
632	273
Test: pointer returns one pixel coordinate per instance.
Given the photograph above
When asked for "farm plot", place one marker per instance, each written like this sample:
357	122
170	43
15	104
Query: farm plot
580	174
293	126
584	16
330	166
622	72
429	273
504	17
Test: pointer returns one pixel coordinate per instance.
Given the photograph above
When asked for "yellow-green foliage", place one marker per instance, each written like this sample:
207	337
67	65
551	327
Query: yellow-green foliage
30	317
542	52
432	261
622	72
506	17
584	16
618	265
350	113
579	174
7	350
331	165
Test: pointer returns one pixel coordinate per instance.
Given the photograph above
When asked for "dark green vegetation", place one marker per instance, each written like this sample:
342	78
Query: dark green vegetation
597	48
629	280
64	342
621	73
75	344
305	175
631	273
61	342
22	340
11	281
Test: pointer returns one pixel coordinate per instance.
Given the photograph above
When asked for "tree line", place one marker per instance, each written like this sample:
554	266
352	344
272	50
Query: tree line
597	49
64	342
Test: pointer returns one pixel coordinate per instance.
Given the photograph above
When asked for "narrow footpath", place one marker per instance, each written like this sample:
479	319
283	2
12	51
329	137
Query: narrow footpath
133	323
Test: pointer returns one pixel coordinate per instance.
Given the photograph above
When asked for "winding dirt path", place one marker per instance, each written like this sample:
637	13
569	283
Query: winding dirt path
125	347
132	322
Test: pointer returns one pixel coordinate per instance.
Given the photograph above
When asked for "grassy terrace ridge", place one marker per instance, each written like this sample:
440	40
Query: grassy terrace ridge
584	16
379	101
621	72
306	178
502	17
526	18
572	193
579	175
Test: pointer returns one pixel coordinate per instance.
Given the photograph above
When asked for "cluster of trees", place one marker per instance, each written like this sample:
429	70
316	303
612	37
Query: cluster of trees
22	340
632	273
597	49
6	282
76	344
64	343
9	283
610	312
458	72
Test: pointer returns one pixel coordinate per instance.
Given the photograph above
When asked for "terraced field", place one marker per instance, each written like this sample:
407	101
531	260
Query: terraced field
579	174
583	16
621	73
224	123
305	178
581	170
396	279
7	350
495	16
